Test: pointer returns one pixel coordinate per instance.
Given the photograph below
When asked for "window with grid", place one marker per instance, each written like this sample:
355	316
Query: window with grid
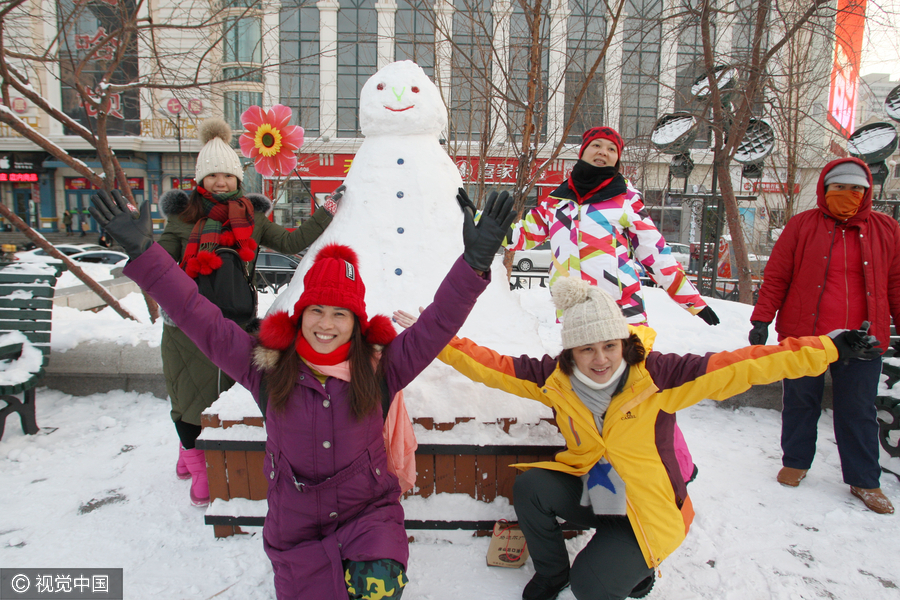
520	43
640	68
414	34
470	78
587	36
299	74
235	104
357	60
242	49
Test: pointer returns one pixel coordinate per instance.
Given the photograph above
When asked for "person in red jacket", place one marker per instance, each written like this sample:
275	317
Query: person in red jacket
834	267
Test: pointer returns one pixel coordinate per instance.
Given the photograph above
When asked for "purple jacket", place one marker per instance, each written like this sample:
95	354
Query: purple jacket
331	497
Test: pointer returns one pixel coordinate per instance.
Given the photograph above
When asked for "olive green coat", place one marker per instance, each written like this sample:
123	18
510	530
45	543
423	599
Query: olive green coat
192	381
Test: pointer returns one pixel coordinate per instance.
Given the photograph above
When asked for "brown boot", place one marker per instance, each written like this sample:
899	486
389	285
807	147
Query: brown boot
791	477
874	500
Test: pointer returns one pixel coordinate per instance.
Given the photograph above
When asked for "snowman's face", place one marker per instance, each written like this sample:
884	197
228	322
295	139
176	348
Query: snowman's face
400	99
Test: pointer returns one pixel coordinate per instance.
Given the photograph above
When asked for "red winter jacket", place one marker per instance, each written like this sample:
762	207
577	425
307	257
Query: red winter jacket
816	248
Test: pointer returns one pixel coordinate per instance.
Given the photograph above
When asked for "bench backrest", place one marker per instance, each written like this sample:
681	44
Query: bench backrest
26	302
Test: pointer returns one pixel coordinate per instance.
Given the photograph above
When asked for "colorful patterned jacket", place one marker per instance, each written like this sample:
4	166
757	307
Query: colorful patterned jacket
600	241
637	430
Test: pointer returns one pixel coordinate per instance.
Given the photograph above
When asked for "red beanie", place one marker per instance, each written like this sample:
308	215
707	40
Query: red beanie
601	133
333	280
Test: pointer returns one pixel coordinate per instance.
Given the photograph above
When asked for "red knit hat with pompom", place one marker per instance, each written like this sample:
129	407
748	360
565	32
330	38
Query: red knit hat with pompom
332	280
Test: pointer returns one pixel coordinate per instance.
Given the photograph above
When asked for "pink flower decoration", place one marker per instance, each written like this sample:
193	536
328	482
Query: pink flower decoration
270	141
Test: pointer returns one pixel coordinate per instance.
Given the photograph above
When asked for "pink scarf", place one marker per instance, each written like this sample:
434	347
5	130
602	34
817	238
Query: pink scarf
399	437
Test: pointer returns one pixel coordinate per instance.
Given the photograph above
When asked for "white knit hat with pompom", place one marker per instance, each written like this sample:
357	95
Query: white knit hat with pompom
217	155
590	315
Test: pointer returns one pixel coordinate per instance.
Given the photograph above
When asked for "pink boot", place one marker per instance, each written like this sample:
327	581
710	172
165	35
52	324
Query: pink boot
195	461
181	470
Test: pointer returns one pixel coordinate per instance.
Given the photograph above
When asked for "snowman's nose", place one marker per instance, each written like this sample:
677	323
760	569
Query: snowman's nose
399	96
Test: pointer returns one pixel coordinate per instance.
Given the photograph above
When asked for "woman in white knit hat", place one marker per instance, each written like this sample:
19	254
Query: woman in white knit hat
614	399
216	220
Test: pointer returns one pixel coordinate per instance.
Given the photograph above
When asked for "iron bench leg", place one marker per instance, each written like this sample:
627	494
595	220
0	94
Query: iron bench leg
25	407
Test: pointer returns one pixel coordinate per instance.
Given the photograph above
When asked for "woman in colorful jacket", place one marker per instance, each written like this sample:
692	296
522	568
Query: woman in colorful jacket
614	398
217	214
599	229
334	527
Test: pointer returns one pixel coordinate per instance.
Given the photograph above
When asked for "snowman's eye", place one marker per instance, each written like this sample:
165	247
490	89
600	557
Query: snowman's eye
415	90
380	86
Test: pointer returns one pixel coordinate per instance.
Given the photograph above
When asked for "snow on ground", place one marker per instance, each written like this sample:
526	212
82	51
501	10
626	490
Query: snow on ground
96	488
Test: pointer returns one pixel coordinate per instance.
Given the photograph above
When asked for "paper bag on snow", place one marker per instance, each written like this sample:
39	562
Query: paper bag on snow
508	548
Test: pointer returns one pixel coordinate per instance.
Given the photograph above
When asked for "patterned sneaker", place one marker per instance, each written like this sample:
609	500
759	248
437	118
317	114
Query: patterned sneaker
874	500
791	477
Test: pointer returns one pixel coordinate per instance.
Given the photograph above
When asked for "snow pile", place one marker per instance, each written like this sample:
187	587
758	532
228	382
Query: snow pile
23	368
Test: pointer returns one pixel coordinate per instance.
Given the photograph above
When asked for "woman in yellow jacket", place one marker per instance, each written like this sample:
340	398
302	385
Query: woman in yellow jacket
614	399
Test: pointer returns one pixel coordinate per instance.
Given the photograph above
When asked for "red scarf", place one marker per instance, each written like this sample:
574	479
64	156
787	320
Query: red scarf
307	353
227	222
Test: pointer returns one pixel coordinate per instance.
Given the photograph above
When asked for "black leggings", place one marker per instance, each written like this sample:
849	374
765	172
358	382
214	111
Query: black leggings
188	434
611	564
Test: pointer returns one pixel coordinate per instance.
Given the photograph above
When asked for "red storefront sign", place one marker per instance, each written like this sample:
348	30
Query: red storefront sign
83	183
326	171
19	177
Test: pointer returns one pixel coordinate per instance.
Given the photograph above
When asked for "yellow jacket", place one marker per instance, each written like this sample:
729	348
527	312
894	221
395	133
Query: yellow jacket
638	427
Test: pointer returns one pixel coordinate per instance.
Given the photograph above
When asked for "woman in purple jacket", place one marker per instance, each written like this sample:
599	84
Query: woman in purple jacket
334	528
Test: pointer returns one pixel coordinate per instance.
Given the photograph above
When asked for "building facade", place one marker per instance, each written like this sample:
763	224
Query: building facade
218	58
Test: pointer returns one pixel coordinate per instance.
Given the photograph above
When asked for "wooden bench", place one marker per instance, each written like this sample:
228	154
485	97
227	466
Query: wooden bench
26	306
235	447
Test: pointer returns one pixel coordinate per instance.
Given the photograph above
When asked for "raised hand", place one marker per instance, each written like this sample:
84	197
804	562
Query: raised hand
133	230
483	239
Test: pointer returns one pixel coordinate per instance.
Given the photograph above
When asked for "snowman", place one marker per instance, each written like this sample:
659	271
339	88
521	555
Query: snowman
400	214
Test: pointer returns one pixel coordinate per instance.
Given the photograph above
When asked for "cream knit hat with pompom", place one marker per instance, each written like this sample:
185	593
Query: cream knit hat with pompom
590	315
217	155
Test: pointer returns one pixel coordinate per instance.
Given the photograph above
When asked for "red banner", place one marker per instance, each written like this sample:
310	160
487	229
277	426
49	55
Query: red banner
848	40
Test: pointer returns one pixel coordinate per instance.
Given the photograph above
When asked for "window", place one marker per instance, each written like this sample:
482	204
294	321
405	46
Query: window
897	171
689	67
300	63
236	103
243	45
414	34
587	36
470	75
357	58
640	68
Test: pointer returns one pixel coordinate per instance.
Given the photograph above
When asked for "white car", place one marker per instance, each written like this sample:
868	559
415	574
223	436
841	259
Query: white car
538	257
41	255
681	253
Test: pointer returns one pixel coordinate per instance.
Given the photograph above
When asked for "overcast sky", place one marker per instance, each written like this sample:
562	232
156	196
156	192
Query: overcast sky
881	47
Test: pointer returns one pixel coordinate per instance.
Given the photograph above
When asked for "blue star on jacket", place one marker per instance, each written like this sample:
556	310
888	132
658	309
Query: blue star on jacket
599	475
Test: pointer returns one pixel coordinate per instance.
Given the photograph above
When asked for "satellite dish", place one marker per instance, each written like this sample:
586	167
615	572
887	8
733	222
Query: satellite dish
674	133
758	143
873	143
892	104
727	76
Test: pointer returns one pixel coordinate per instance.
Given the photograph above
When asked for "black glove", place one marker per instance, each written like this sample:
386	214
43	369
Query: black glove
133	233
482	240
709	316
760	333
856	343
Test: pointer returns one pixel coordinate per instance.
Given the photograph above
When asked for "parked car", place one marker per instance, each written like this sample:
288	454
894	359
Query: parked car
101	257
681	253
538	257
40	255
275	270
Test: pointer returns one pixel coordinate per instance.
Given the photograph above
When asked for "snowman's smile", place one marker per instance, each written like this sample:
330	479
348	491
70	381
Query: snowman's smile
400	109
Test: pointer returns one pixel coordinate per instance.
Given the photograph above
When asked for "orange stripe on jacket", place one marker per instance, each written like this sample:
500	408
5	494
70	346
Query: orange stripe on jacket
484	357
725	359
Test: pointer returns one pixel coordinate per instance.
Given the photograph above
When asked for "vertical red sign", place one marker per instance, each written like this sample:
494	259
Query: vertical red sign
848	39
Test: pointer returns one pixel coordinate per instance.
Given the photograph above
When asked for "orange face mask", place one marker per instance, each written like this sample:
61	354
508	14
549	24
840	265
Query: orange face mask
843	204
